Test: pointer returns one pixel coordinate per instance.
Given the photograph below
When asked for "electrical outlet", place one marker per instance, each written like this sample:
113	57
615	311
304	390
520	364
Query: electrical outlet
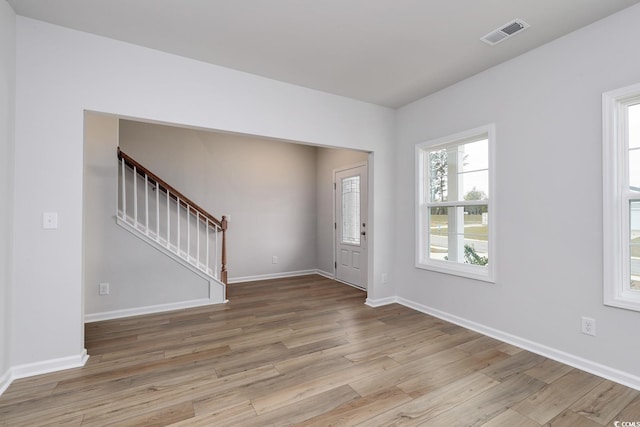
103	289
50	220
589	326
274	259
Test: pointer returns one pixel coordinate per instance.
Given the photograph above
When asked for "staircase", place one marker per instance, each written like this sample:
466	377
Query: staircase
163	217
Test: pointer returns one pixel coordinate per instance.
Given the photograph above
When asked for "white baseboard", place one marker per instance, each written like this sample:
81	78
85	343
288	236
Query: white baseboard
42	367
137	311
273	276
380	302
578	362
47	366
326	274
5	381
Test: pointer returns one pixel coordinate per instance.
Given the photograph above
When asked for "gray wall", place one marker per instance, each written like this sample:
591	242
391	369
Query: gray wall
547	108
138	275
327	160
7	113
279	196
267	188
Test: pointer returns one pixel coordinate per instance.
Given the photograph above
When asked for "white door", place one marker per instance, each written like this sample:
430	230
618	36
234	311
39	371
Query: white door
351	225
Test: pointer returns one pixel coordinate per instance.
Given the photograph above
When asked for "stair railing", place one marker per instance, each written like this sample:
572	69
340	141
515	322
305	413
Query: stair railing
178	224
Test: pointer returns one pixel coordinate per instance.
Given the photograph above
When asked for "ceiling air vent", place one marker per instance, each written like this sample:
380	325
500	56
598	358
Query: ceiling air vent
505	31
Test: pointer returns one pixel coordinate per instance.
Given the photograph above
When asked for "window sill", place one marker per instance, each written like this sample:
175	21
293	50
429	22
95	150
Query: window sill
627	300
462	270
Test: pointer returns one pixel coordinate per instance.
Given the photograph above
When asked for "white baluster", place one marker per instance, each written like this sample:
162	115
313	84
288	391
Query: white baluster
188	234
168	219
135	197
124	191
178	209
146	205
207	237
157	212
215	256
198	238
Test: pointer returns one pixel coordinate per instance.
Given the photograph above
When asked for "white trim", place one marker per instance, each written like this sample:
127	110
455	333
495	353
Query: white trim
380	301
615	224
595	368
326	274
333	277
163	249
138	311
5	381
350	284
618	376
47	366
488	273
469	271
453	204
217	292
160	308
273	276
293	274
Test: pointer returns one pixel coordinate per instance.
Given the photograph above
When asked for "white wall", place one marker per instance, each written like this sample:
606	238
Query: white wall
546	105
267	188
61	73
327	161
7	111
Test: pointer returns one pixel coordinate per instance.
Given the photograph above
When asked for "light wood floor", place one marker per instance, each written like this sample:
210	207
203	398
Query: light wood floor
307	351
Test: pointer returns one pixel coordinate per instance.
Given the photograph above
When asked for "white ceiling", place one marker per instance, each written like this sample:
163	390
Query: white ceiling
388	52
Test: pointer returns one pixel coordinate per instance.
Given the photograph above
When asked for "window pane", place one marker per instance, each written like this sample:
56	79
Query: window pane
439	229
634	126
438	180
475	185
476	235
459	234
351	210
634	237
475	156
459	173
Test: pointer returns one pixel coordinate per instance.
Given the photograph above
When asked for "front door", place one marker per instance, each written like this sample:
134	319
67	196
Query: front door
351	225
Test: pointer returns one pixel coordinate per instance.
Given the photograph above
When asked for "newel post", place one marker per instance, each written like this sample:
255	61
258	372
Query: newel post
223	271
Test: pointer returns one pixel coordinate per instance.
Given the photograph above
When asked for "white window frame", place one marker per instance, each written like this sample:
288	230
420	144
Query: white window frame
616	198
422	260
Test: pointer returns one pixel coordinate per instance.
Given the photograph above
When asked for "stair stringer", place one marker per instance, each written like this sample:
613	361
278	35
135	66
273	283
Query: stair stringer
217	289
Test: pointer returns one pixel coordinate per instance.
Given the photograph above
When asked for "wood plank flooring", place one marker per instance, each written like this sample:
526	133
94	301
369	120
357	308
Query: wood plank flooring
307	351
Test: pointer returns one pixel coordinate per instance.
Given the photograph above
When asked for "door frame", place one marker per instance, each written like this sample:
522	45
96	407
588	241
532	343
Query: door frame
369	228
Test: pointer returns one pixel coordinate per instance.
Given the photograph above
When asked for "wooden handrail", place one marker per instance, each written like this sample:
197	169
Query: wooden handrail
173	193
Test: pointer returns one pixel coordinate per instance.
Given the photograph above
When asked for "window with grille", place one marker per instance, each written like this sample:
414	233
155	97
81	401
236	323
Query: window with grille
454	204
621	193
